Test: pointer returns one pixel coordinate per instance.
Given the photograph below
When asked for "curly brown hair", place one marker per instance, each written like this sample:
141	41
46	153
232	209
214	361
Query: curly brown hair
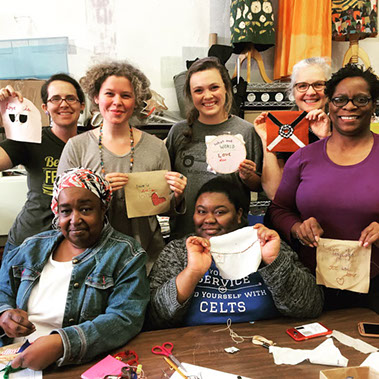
97	74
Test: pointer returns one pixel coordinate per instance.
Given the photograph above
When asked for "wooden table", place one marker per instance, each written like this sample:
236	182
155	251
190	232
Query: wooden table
202	346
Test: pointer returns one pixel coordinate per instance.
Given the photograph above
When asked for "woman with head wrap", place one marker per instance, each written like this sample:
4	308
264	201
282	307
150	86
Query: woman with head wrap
78	291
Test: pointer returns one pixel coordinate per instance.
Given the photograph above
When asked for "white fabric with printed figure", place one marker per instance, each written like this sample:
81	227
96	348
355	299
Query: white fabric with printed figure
22	121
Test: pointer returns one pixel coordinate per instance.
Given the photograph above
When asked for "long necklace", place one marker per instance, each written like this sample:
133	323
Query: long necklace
101	150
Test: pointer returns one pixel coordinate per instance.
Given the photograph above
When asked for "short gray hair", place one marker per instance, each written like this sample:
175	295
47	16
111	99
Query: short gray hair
321	62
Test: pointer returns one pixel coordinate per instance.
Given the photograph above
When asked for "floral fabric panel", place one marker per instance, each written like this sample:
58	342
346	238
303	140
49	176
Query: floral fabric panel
354	17
252	21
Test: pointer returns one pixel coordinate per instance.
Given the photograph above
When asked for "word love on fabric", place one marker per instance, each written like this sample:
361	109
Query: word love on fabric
225	152
343	264
147	194
22	121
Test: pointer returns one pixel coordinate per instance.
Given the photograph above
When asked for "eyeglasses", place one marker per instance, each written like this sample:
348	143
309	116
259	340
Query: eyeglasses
303	86
57	100
358	101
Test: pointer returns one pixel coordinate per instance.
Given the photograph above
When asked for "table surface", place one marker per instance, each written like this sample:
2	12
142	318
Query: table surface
203	346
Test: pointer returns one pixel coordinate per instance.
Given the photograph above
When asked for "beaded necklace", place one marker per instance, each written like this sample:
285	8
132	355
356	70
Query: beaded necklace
101	150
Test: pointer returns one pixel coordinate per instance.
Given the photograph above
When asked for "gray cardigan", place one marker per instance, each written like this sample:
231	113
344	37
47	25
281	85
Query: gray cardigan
293	287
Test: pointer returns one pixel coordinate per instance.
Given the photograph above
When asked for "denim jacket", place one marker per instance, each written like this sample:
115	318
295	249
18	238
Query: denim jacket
107	296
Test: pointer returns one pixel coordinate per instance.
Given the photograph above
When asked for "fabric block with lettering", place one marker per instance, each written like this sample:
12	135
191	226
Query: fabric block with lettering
287	131
343	264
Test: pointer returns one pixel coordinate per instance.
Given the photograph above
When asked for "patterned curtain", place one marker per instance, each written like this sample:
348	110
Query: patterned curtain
252	22
354	19
304	30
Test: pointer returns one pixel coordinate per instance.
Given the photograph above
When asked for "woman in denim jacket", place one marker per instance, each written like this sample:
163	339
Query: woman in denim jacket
78	291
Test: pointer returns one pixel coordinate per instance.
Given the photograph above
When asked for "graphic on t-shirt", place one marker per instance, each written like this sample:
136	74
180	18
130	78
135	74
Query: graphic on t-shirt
50	173
22	121
216	299
188	160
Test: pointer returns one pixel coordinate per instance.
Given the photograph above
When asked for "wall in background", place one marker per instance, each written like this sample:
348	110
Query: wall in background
157	36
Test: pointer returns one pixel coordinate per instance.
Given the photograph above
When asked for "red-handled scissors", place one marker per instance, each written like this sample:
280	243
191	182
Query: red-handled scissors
166	349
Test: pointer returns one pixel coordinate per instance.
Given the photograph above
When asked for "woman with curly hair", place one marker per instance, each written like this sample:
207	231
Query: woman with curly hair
117	148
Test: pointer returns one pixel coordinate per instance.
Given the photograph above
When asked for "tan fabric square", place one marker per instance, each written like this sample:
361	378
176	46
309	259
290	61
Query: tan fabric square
343	264
147	194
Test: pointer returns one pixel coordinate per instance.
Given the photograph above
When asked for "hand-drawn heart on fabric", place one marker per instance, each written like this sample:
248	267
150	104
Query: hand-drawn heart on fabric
156	199
340	281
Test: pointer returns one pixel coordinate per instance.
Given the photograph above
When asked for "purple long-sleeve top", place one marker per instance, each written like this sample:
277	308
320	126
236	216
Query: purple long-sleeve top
343	199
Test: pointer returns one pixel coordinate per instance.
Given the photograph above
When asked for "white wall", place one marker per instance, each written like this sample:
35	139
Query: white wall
369	45
157	36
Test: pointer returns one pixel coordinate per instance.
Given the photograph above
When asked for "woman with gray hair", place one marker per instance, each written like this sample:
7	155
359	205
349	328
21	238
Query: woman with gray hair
307	88
117	148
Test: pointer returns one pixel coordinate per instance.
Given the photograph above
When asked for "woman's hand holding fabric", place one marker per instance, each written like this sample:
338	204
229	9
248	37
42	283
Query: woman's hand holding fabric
272	169
319	123
15	323
270	243
370	235
41	353
177	183
260	127
308	232
117	180
199	256
199	261
9	91
247	169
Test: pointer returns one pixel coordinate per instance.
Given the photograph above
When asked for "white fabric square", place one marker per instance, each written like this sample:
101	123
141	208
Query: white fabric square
237	254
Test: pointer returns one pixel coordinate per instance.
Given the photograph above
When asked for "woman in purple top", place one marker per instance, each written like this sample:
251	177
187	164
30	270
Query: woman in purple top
330	188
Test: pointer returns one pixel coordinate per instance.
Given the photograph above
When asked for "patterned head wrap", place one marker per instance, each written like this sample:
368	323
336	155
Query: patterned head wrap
82	178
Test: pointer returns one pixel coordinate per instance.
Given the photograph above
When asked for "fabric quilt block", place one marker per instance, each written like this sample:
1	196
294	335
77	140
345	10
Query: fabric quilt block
287	131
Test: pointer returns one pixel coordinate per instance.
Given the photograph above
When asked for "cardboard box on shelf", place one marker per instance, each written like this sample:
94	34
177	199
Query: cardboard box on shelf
31	89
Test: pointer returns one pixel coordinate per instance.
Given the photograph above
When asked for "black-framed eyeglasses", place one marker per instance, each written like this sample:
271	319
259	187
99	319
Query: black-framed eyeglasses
304	86
358	101
70	99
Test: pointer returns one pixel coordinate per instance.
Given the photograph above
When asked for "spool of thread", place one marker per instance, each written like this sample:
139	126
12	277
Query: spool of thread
212	39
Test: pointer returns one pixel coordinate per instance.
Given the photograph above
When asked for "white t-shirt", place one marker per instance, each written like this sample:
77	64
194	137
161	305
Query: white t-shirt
48	297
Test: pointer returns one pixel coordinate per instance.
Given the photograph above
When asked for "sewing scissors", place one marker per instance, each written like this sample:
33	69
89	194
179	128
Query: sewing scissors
166	350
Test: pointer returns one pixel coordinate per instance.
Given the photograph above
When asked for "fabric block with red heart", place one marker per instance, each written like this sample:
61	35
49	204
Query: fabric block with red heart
156	199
